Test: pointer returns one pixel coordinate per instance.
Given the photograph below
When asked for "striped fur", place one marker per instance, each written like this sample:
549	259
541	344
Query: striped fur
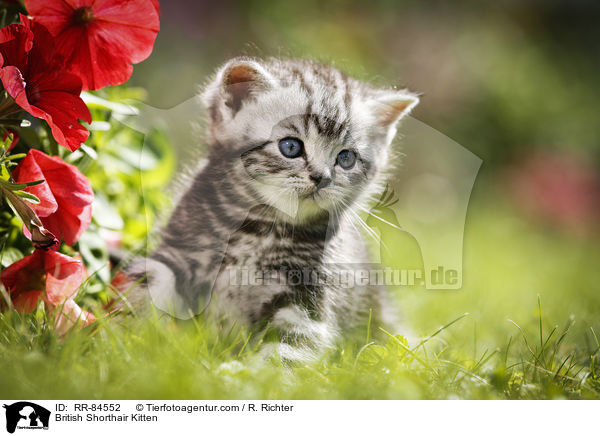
252	208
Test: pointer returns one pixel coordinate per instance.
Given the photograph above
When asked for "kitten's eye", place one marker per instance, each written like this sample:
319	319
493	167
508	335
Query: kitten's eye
346	159
291	147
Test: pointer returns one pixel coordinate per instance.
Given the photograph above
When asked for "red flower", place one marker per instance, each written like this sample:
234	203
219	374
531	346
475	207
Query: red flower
100	39
35	77
66	197
560	188
26	280
69	314
53	277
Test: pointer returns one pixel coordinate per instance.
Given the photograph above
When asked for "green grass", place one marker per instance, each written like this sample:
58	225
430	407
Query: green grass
531	331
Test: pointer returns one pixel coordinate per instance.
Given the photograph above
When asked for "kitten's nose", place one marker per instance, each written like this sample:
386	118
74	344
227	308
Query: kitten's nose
320	180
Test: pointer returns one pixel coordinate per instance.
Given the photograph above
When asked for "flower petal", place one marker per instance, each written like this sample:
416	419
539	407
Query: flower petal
102	50
69	315
34	75
14	83
71	191
26	302
24	281
60	112
60	276
64	275
28	170
15	42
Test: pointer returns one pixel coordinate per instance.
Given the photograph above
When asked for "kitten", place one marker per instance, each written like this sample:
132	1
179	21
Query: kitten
296	149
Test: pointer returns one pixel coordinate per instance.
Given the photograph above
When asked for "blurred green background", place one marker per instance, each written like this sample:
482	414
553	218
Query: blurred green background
501	78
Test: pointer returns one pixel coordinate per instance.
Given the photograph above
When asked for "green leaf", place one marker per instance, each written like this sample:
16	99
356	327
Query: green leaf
18	186
28	196
10	255
4	173
93	101
89	151
105	214
15	156
372	354
99	126
95	254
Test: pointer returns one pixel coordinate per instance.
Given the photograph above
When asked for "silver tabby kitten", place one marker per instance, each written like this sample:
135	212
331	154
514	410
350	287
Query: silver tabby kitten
296	149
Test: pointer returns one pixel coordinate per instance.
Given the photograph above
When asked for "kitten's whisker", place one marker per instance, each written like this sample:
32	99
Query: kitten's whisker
365	226
371	231
351	222
379	218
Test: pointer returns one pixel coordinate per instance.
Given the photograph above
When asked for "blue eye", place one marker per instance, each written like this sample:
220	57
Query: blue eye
346	159
291	147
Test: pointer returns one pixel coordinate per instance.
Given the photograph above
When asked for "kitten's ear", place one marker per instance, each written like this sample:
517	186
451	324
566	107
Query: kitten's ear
389	107
241	79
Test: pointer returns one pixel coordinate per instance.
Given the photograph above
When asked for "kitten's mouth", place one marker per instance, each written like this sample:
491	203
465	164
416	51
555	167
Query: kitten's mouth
316	199
310	194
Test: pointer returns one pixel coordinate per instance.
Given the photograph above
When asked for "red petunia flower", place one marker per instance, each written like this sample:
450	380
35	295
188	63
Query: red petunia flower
100	39
52	277
35	77
66	197
68	315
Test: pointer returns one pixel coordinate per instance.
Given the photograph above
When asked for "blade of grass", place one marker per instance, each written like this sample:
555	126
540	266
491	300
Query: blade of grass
411	352
441	329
